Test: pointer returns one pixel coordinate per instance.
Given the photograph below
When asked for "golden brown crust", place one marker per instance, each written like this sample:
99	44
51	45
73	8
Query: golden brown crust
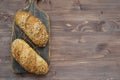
33	27
28	58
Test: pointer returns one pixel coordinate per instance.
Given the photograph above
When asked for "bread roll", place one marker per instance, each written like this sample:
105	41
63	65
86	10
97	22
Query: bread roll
28	58
33	27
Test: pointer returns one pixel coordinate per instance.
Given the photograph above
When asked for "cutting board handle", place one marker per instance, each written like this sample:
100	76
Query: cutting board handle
31	4
32	1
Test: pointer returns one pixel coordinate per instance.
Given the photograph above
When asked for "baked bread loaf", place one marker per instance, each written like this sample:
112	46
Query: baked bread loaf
28	58
33	27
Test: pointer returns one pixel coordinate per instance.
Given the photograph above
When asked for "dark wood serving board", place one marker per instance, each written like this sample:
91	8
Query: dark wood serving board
18	33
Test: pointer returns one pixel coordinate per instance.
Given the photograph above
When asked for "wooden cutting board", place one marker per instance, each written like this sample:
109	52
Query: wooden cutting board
33	8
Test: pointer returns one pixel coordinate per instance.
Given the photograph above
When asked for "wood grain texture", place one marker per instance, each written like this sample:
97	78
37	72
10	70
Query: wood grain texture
85	39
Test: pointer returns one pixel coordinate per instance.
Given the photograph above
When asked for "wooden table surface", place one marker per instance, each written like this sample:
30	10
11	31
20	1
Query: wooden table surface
84	44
